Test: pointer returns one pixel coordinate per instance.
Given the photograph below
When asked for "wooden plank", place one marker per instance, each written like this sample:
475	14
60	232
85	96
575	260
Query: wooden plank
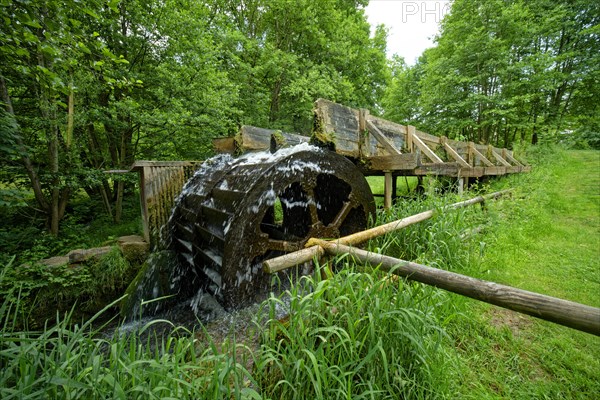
473	150
425	149
252	138
432	141
381	138
446	169
224	145
473	172
453	153
336	126
138	165
406	161
396	134
494	170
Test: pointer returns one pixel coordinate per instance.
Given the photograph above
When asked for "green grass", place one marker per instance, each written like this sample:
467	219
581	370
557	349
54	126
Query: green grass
405	185
546	239
362	334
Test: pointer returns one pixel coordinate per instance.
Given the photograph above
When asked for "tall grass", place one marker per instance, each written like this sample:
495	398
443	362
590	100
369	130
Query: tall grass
72	362
356	335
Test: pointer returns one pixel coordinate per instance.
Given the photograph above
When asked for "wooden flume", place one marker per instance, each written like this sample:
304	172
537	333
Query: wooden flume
567	313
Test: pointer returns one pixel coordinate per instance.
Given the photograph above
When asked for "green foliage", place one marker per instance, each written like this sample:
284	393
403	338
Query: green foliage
38	291
355	335
93	86
362	333
503	72
24	235
71	361
544	239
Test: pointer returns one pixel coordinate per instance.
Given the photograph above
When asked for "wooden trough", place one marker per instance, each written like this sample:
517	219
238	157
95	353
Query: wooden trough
381	147
160	183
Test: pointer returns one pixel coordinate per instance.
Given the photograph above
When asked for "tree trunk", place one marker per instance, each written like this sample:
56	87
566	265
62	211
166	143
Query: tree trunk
26	161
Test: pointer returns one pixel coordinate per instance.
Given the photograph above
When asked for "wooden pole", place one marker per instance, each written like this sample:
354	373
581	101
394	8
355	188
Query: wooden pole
573	315
299	257
387	203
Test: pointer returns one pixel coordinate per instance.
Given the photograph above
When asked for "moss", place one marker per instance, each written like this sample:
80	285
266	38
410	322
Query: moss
320	137
152	281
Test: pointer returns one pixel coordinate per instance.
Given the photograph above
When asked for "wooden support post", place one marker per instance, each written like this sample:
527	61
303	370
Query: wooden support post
420	189
461	183
363	114
563	312
387	203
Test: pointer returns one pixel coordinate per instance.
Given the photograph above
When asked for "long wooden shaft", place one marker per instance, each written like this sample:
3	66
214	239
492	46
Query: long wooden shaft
573	315
305	255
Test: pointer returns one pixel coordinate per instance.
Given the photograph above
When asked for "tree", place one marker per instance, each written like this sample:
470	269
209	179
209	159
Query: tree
41	45
508	70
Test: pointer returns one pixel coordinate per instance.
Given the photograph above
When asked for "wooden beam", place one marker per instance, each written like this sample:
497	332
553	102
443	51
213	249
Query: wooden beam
381	138
499	158
404	161
453	153
410	133
507	156
425	149
567	313
476	152
306	255
495	170
363	114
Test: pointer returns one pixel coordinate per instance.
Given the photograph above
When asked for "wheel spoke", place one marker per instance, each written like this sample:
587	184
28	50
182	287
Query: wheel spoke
312	205
347	206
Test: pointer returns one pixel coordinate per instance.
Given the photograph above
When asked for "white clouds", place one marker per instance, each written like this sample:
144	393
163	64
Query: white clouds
412	24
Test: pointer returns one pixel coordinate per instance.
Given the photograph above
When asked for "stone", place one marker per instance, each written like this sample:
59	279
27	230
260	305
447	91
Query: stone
81	255
134	248
55	261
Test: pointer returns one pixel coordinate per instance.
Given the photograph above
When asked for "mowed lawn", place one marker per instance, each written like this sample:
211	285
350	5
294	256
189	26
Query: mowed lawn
545	239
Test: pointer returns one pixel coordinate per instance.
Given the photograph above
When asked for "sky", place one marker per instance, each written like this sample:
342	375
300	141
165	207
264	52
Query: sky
412	24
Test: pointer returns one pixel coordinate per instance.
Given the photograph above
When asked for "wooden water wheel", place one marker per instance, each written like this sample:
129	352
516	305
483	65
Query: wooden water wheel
235	213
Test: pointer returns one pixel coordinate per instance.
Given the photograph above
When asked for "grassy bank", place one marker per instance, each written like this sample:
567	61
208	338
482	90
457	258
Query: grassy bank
362	334
546	239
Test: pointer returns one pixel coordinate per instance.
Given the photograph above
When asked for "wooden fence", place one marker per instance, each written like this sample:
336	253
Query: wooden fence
160	184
